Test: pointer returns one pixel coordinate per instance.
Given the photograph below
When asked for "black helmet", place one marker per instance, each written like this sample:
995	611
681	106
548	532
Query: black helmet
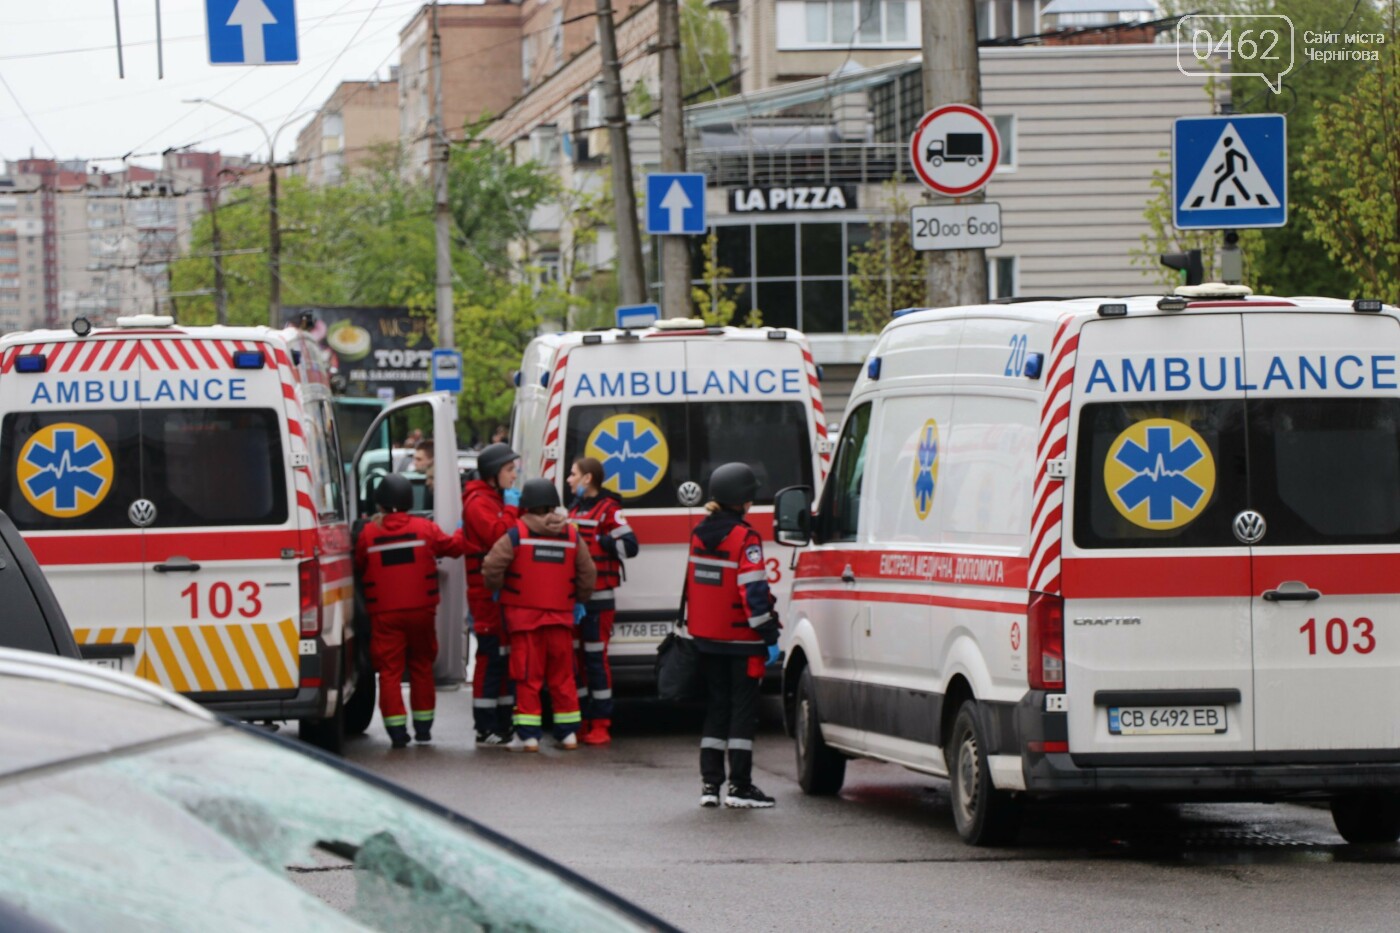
537	493
490	460
733	484
394	493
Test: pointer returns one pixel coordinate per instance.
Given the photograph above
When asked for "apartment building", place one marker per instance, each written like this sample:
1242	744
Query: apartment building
342	137
79	242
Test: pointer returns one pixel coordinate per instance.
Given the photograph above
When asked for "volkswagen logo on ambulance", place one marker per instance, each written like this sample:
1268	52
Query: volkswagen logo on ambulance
142	513
1249	527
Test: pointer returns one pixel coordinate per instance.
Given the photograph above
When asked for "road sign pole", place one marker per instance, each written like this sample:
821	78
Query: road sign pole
675	251
952	74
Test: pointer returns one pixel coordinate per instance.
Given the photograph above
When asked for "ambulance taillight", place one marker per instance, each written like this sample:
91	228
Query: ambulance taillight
309	583
1045	641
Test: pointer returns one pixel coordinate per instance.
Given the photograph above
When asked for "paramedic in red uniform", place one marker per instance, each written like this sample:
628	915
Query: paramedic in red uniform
489	509
545	577
396	558
735	628
597	514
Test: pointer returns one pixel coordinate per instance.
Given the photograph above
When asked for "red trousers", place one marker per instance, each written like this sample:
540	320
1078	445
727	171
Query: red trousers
395	638
539	658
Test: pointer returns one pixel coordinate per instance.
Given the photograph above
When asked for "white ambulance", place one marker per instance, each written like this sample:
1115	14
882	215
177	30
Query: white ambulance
660	407
183	489
1110	550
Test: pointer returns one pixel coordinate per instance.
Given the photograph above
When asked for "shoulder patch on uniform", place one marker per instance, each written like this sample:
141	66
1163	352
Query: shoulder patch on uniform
754	554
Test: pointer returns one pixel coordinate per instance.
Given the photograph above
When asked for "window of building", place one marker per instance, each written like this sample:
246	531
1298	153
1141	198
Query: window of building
794	273
557	29
1006	19
1006	132
847	23
527	59
1001	277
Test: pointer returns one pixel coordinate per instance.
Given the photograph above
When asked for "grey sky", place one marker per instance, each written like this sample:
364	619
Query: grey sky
83	111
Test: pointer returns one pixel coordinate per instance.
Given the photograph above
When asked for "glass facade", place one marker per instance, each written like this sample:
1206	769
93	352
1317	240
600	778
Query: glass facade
794	271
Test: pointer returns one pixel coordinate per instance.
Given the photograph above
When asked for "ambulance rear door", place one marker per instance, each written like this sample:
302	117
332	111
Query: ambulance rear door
1324	505
222	516
1157	631
625	404
755	406
70	467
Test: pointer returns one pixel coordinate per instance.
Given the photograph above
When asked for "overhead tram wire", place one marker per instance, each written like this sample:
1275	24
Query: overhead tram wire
34	126
348	45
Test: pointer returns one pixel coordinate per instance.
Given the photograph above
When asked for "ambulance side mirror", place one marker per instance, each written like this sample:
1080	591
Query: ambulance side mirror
792	516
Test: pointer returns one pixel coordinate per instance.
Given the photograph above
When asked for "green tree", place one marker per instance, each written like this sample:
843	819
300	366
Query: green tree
716	301
887	273
705	59
1352	166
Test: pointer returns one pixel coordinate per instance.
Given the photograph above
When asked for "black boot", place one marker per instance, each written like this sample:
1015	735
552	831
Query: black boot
399	736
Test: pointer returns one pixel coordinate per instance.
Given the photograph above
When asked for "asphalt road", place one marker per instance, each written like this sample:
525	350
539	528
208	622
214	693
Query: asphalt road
884	855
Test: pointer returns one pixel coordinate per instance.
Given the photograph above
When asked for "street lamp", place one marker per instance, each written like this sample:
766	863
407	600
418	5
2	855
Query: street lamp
274	229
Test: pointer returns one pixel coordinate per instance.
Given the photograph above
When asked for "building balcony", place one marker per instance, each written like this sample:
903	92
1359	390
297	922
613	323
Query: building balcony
829	164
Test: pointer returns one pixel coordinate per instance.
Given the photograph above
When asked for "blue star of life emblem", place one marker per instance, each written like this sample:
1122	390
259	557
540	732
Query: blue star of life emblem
923	482
627	455
65	469
1160	469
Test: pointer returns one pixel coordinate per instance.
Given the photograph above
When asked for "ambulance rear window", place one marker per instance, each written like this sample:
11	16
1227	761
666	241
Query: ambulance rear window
76	471
1326	470
1168	474
217	466
648	451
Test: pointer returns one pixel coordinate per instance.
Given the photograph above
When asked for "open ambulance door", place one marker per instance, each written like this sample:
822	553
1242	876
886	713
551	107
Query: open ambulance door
435	413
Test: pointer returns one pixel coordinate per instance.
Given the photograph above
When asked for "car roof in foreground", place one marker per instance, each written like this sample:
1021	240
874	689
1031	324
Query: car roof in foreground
49	722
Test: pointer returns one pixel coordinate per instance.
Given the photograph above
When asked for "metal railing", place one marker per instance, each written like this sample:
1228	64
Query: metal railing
835	164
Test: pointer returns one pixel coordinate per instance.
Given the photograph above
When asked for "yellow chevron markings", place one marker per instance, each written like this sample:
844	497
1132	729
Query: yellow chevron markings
210	658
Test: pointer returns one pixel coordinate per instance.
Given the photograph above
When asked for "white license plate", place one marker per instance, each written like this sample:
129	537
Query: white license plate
640	631
112	664
1166	720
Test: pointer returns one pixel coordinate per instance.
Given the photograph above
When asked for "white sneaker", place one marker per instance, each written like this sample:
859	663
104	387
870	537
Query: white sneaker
518	744
569	742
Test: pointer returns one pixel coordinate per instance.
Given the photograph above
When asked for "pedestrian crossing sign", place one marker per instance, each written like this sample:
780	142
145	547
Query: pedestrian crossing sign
1229	172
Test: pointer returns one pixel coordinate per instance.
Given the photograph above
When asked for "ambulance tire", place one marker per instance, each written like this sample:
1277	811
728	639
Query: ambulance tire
821	770
326	734
359	712
1363	818
983	815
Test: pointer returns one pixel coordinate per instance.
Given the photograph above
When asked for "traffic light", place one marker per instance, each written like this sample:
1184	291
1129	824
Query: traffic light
1189	264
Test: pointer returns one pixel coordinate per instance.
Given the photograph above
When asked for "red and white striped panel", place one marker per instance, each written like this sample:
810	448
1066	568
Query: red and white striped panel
296	419
121	354
1048	517
549	468
818	410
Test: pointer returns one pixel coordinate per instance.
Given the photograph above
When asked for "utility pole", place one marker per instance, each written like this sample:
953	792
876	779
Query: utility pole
632	288
274	244
217	241
675	252
952	76
442	215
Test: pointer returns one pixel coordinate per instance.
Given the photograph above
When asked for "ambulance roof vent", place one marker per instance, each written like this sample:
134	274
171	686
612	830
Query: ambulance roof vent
146	320
1214	290
680	323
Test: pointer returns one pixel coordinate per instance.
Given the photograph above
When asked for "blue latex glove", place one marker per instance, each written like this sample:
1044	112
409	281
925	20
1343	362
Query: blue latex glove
512	497
773	654
579	613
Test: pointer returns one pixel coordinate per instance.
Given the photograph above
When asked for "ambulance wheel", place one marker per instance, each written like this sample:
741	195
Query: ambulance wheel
1362	818
328	733
821	770
359	712
984	816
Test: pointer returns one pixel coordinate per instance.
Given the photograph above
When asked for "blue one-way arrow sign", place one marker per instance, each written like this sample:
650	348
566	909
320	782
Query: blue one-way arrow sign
252	32
676	203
